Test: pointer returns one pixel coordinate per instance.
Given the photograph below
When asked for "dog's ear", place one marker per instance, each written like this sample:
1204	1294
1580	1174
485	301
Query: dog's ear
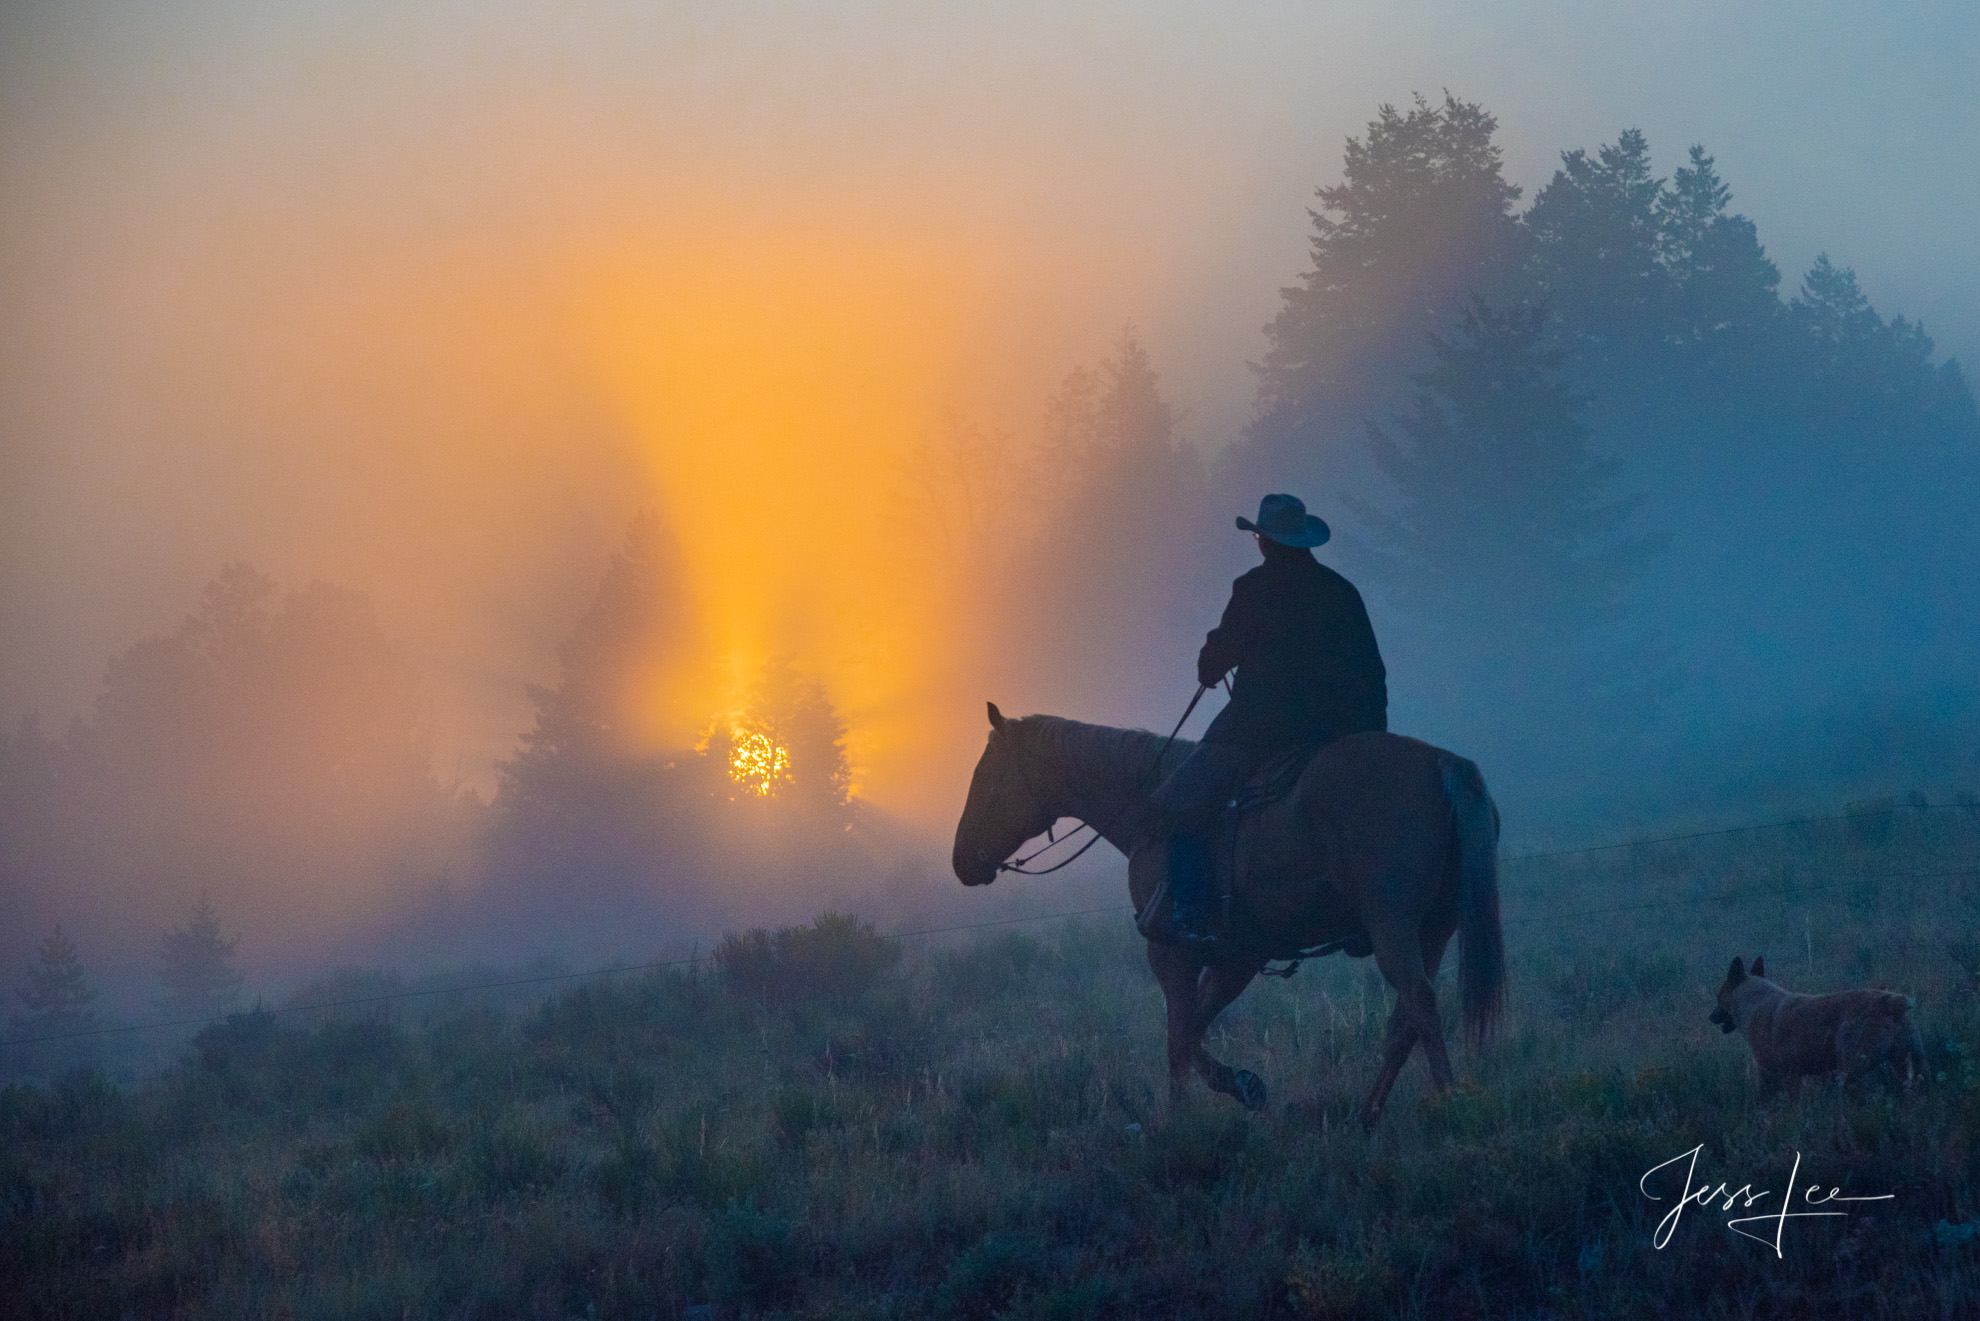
1737	973
1759	965
996	716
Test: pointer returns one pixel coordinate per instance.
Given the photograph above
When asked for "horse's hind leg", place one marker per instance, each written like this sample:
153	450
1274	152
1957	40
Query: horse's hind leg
1411	968
1397	1043
1434	943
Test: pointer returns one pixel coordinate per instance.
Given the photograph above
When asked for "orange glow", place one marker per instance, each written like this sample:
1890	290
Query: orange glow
758	764
776	383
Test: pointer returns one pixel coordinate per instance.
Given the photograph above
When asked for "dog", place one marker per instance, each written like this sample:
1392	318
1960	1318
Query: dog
1851	1033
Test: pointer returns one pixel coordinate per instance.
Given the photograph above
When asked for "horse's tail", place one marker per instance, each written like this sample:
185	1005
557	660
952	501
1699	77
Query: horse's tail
1482	951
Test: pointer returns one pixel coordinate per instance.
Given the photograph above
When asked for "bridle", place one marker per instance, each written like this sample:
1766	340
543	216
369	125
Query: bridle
1018	866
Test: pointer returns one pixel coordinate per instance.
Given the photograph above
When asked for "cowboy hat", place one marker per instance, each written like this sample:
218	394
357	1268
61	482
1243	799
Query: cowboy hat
1283	518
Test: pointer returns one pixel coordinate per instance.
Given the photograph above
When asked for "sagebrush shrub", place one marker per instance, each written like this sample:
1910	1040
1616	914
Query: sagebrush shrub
833	961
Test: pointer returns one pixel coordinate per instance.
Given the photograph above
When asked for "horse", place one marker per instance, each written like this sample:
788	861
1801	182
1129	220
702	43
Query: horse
1382	840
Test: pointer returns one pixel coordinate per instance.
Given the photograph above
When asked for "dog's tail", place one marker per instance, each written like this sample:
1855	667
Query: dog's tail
1481	947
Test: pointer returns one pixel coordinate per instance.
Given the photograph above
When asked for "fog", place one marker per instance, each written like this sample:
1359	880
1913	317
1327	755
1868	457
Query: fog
416	310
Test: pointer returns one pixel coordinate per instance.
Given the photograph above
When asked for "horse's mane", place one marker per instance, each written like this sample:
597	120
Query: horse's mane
1104	753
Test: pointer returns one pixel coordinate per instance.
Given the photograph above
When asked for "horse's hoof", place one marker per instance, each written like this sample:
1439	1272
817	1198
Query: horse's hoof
1249	1089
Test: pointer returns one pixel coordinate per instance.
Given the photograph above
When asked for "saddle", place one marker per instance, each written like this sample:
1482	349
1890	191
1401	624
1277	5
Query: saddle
1270	782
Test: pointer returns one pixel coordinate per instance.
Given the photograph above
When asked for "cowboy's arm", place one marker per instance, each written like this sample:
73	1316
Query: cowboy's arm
1224	647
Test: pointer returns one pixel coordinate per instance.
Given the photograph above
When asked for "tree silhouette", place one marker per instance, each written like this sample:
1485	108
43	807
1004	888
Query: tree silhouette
1118	570
56	993
601	818
632	630
196	965
1873	381
1421	221
1815	466
1722	290
1505	545
797	741
596	810
587	759
270	735
964	488
1595	255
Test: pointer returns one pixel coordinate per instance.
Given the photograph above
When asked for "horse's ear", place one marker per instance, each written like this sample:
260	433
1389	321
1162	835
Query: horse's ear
996	716
1737	974
1759	965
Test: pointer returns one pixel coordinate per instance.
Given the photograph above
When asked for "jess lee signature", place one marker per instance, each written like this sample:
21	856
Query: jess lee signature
1746	1198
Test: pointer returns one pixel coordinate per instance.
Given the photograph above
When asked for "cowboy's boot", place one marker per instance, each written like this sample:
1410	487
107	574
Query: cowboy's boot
1189	889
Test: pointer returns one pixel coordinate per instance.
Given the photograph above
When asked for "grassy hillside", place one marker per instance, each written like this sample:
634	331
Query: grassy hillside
823	1123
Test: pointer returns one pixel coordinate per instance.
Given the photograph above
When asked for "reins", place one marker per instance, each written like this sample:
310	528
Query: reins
1100	833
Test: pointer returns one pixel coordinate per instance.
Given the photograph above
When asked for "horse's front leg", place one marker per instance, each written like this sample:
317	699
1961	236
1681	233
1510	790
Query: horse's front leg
1220	984
1177	970
1196	994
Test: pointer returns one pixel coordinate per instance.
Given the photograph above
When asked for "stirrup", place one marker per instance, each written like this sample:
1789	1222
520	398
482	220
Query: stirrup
1157	922
1153	919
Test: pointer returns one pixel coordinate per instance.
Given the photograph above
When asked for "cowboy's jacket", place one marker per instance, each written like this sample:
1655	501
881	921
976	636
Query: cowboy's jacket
1307	666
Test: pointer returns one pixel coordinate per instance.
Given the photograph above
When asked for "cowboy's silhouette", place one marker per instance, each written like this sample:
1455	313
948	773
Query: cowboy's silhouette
1308	672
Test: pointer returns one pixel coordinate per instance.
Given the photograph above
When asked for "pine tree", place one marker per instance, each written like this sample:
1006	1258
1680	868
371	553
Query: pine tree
1118	571
794	741
56	994
1504	546
628	637
1892	437
963	491
595	810
197	965
1722	289
1595	255
276	744
1421	221
587	768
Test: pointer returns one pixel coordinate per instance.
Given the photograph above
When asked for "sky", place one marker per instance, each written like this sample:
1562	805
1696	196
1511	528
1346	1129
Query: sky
429	299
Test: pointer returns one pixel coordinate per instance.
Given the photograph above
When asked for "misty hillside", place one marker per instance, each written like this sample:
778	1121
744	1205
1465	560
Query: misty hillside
1648	537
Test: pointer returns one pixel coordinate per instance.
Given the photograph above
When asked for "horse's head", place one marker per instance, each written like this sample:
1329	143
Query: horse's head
1006	803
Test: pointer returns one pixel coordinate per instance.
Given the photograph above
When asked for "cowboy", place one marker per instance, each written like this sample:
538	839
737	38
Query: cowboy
1308	672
